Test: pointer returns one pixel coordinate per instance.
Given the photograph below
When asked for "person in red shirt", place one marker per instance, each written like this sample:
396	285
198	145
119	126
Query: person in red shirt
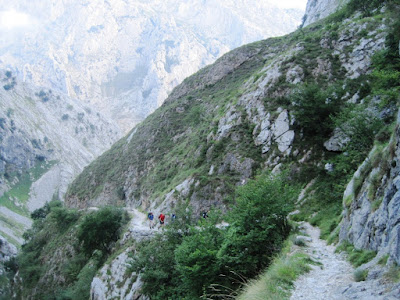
161	217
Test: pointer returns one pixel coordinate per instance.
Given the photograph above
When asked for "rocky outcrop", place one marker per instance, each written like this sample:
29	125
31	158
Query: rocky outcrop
371	217
127	56
319	9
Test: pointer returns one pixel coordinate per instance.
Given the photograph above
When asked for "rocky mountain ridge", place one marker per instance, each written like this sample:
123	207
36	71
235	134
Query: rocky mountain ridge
128	55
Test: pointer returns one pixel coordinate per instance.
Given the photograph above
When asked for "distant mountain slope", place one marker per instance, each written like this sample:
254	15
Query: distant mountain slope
45	140
126	56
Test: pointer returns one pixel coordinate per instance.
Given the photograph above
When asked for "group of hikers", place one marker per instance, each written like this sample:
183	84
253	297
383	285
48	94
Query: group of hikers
161	218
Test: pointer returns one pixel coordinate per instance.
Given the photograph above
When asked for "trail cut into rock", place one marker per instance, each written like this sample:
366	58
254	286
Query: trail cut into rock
333	279
328	280
139	226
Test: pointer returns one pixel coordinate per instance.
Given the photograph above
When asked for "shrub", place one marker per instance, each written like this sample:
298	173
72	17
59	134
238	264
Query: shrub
360	275
300	242
197	261
313	108
64	217
359	125
366	7
258	224
99	229
156	264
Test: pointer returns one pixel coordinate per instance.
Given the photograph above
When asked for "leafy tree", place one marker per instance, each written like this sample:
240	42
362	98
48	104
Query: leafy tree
64	217
155	262
196	259
99	229
313	108
258	225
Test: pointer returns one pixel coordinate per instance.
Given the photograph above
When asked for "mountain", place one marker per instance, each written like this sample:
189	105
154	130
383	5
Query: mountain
82	69
303	123
46	140
124	57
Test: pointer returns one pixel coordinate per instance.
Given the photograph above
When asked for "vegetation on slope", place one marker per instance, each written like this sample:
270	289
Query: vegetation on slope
63	251
363	130
189	261
178	141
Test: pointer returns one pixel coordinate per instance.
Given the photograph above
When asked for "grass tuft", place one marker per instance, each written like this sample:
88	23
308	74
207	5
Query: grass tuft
356	257
278	279
360	275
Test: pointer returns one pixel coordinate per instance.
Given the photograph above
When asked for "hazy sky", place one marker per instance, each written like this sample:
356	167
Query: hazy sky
290	3
10	19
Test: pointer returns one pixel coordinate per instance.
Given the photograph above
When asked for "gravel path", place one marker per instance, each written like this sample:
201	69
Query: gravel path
328	281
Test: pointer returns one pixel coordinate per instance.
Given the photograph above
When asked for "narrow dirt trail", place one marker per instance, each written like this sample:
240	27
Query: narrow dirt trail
139	225
328	281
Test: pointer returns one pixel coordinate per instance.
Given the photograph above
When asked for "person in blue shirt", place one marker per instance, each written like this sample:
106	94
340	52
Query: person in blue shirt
150	216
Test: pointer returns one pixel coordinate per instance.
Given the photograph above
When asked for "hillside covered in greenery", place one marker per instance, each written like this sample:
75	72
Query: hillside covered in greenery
239	139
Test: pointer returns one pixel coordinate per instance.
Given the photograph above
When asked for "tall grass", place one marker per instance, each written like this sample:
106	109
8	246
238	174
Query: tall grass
277	281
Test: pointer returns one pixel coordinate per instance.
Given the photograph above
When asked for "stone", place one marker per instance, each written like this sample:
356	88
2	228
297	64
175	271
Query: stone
329	167
337	142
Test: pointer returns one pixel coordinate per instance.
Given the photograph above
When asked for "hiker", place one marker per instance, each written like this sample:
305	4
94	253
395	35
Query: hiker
150	216
161	217
205	215
173	217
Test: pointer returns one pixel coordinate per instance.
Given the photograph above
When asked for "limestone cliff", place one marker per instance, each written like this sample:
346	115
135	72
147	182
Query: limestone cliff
372	202
46	139
126	56
319	9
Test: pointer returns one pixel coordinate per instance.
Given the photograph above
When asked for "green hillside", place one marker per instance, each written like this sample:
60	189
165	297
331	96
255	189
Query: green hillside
241	139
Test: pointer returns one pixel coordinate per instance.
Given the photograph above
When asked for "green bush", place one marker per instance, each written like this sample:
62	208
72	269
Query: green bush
155	260
258	225
64	217
197	261
366	7
360	275
99	229
188	261
360	125
313	108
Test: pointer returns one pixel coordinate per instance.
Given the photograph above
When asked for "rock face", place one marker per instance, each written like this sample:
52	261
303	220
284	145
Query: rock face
372	215
126	56
45	140
319	9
